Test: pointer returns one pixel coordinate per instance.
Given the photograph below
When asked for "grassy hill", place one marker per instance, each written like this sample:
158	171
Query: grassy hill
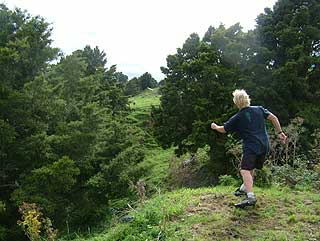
145	100
156	160
141	105
208	214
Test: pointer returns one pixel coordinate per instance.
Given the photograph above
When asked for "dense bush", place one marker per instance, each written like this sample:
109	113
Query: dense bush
263	177
228	180
298	175
191	170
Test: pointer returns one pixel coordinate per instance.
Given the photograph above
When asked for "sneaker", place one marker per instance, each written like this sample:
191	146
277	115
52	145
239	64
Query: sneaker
239	192
249	201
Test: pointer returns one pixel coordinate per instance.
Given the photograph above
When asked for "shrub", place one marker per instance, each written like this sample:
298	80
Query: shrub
298	175
286	154
191	170
227	180
34	225
315	147
263	177
234	150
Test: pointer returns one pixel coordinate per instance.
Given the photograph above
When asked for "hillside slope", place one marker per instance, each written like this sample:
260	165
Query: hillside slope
208	214
141	105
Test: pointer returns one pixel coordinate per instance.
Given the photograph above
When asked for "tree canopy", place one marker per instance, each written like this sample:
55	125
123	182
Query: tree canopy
137	85
65	140
278	63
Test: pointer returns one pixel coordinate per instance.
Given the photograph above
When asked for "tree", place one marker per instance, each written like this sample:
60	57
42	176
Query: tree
94	58
24	46
25	51
290	48
199	81
147	81
51	120
121	78
137	85
83	120
48	186
132	87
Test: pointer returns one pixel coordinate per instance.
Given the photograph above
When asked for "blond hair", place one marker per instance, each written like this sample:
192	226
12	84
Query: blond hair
241	98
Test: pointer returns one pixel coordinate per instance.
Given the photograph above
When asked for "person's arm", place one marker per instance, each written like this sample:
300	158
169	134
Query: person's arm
218	128
271	117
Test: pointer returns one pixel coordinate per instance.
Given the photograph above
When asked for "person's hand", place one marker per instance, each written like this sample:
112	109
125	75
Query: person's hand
283	137
213	125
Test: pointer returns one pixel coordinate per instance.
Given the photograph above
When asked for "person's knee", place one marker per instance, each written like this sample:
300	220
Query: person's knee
245	172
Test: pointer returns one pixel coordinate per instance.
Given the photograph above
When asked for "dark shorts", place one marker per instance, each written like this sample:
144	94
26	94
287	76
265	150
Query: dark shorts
251	161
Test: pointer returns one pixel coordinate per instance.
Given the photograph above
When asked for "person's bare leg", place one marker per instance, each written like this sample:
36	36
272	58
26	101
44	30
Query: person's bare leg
247	177
252	174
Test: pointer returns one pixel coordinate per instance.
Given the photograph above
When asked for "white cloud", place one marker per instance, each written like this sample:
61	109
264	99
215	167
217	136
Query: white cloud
138	35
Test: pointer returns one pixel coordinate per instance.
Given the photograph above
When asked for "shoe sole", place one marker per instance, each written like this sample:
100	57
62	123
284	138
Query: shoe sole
244	205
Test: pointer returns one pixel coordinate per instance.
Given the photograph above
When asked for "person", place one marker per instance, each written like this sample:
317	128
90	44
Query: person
249	123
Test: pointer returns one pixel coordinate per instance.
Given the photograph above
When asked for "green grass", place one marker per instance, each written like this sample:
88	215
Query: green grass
208	214
141	106
145	100
156	160
157	163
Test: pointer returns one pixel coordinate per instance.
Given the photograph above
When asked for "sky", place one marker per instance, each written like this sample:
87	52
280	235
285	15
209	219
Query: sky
137	35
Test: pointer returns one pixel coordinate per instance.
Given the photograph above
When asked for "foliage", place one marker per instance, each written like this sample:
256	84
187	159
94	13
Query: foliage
24	46
290	164
94	58
137	85
133	86
115	176
234	148
147	81
315	147
280	154
47	186
299	175
30	224
61	125
278	63
33	223
156	169
140	114
263	177
25	51
227	180
191	170
289	38
198	85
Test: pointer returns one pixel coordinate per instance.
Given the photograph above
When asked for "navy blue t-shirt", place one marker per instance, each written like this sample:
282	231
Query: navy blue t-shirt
249	123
